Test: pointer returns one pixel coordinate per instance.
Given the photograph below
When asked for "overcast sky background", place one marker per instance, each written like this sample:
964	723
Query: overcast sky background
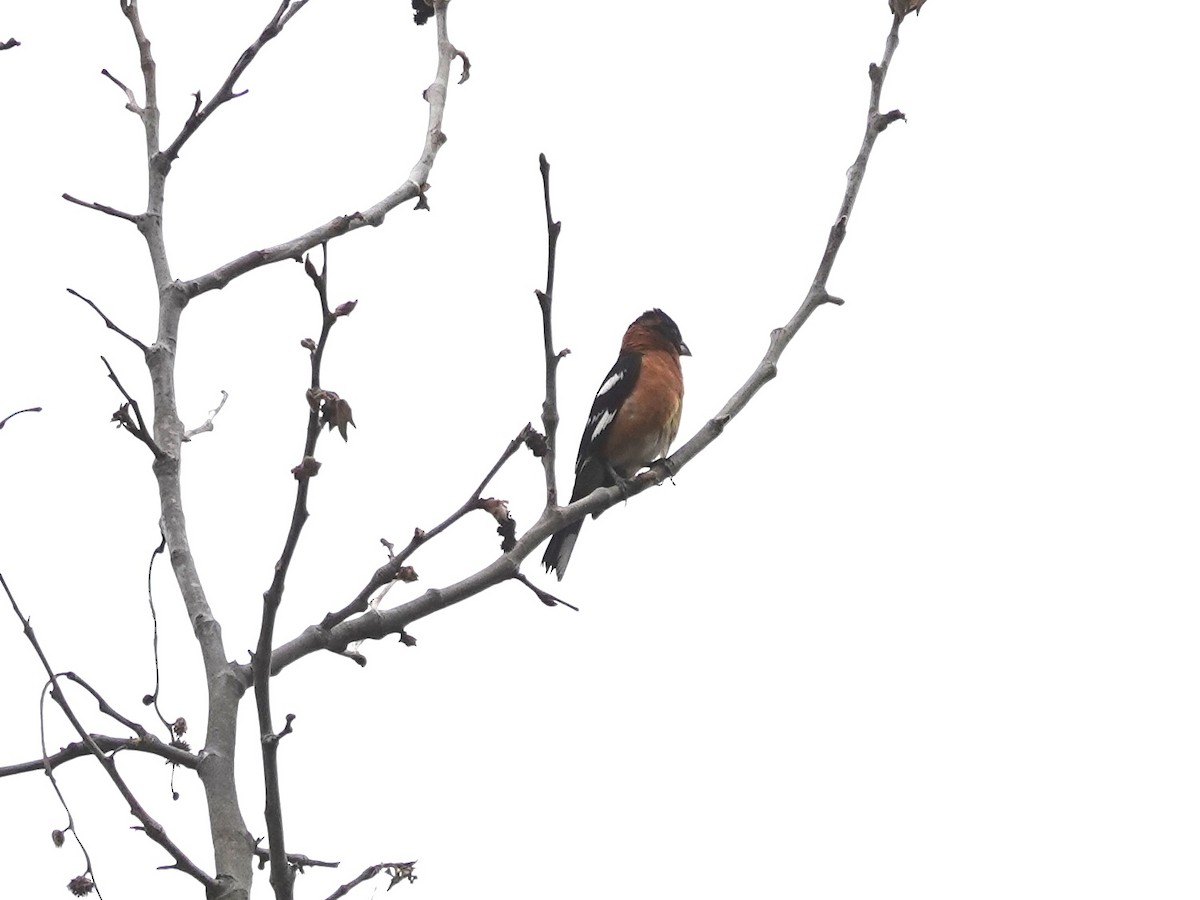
923	622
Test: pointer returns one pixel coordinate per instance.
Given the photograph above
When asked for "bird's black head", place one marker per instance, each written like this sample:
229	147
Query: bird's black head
659	322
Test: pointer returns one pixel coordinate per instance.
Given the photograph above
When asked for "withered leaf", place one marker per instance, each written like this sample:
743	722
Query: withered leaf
337	413
508	525
536	442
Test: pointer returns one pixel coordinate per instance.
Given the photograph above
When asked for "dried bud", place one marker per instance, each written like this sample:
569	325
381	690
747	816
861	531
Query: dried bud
418	534
536	442
498	509
80	886
179	727
147	700
309	344
346	308
308	468
314	396
309	269
58	837
407	574
342	417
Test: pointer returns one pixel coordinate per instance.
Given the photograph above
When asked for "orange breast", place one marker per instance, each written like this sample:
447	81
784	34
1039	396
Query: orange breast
648	420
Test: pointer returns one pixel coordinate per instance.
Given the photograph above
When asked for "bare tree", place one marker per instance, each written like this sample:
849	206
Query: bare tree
366	616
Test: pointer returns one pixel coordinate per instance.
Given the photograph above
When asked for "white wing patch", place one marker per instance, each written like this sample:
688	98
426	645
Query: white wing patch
607	416
612	382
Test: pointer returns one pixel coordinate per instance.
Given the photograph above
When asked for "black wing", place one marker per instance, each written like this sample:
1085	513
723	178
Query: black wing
613	392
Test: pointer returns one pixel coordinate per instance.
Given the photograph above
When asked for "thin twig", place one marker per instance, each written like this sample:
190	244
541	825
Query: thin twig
297	861
107	321
131	103
9	44
105	707
89	876
225	92
545	596
4	421
208	423
176	756
107	210
162	545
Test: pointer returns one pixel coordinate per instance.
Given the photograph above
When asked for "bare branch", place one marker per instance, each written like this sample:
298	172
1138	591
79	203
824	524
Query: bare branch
9	44
225	92
107	210
4	421
104	705
374	215
152	828
208	423
338	635
281	875
546	302
395	567
148	743
109	322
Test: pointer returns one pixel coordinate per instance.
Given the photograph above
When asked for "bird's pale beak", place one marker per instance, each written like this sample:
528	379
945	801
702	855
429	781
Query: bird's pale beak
683	349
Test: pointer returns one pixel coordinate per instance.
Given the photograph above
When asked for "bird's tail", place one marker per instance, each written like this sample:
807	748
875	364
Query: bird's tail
590	476
558	551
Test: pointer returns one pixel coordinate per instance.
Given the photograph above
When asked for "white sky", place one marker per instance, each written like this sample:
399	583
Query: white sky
923	622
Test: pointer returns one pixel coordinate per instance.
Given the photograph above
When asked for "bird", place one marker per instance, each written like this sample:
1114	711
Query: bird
633	421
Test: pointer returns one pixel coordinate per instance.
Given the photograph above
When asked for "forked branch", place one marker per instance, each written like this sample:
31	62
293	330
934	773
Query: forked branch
507	566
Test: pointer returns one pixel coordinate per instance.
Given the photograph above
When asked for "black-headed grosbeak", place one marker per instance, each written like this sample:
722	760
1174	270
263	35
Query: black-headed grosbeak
633	421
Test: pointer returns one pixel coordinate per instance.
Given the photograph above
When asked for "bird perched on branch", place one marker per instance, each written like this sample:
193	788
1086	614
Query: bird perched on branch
633	421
